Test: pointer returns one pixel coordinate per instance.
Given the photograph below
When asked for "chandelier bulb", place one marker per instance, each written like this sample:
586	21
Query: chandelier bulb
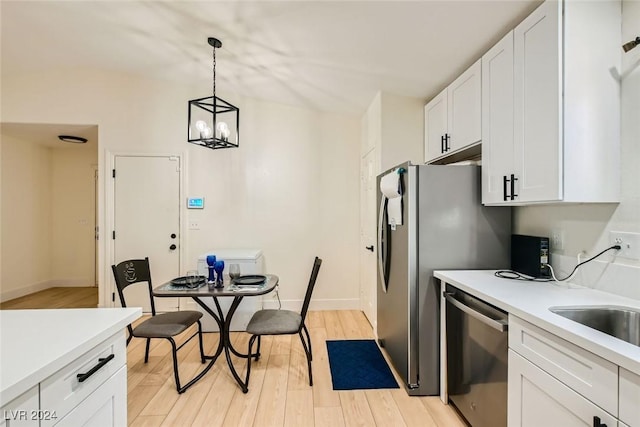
201	125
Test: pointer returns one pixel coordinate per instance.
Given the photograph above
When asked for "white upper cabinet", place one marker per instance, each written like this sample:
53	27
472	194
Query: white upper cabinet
453	119
497	119
565	115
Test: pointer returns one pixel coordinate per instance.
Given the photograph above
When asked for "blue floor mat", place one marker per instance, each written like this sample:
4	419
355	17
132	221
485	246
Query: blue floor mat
358	364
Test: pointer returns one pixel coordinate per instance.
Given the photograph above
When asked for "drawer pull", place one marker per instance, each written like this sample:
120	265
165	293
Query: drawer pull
598	423
101	362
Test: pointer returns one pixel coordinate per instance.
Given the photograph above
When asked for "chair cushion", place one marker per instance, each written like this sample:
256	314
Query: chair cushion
166	325
274	322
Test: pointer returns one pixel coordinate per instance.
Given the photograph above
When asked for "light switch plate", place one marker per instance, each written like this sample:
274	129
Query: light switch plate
629	242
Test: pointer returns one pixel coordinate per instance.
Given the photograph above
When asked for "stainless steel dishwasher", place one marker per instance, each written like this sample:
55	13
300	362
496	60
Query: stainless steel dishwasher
477	350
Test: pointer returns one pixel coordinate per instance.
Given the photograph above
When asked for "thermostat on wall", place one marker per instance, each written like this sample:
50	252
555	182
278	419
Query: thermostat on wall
195	203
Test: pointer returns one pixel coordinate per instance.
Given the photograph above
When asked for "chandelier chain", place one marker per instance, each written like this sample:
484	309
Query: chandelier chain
214	72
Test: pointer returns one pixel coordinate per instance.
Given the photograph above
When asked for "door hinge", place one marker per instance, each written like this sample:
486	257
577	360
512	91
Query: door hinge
113	235
113	296
113	173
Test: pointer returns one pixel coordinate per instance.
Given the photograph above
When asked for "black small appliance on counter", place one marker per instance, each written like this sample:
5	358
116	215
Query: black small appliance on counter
530	254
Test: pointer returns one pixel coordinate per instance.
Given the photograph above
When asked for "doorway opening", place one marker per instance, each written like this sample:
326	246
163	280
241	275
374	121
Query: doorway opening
48	202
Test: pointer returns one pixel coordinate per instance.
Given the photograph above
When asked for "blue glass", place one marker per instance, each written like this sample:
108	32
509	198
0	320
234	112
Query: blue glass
211	262
219	267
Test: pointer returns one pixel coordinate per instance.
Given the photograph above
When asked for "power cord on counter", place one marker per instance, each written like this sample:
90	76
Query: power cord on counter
510	274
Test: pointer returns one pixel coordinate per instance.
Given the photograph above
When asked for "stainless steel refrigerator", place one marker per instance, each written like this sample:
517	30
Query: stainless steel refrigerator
443	227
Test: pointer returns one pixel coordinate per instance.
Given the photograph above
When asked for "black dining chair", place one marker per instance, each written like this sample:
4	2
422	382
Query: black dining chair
283	322
163	325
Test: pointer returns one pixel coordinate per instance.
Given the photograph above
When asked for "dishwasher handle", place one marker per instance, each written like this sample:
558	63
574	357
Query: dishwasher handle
499	325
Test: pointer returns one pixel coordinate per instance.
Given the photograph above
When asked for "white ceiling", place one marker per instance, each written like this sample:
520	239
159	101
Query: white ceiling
330	56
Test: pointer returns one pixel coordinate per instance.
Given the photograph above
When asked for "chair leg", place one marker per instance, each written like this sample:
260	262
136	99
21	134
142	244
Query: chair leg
306	331
307	352
251	341
174	352
258	350
146	351
201	345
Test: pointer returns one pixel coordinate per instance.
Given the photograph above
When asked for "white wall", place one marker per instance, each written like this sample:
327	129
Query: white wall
290	189
586	227
26	218
72	215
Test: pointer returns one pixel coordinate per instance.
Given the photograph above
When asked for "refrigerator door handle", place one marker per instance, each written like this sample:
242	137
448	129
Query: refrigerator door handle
382	248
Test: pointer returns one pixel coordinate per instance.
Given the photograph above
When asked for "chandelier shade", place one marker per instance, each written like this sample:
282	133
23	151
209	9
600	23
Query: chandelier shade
213	122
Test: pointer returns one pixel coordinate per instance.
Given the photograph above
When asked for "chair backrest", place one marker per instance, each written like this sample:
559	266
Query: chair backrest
312	282
130	272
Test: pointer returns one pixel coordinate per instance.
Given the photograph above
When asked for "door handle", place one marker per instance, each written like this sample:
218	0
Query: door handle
173	247
499	325
513	187
381	256
505	196
369	248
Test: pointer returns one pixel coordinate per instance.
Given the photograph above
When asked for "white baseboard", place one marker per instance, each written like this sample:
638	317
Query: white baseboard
25	290
72	283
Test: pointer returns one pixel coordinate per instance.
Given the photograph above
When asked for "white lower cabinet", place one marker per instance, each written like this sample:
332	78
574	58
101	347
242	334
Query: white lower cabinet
90	391
629	397
23	411
556	383
537	399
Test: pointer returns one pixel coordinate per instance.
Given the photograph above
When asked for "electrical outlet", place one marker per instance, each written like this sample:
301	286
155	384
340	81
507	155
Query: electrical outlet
557	239
629	242
194	225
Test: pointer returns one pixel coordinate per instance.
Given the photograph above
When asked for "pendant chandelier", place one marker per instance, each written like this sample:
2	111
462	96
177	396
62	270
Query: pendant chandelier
213	122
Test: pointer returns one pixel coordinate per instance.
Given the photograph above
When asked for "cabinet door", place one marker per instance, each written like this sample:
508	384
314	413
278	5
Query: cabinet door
537	399
538	104
435	126
106	406
23	411
464	115
629	397
497	119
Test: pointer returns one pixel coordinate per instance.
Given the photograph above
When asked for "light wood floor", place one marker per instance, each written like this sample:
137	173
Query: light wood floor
74	297
279	392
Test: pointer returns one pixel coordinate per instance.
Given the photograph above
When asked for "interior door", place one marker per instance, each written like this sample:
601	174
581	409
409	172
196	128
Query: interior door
368	236
147	221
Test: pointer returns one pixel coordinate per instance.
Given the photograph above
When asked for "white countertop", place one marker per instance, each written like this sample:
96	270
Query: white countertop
36	343
531	301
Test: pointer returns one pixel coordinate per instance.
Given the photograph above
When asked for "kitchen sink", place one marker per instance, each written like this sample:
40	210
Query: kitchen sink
620	322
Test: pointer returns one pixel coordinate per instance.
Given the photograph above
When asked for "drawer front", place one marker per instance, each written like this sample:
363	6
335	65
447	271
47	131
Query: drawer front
592	376
63	391
105	407
629	398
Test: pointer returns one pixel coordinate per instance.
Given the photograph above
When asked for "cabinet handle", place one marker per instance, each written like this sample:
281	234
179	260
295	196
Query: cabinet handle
504	188
369	248
513	186
597	422
442	150
101	362
447	137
